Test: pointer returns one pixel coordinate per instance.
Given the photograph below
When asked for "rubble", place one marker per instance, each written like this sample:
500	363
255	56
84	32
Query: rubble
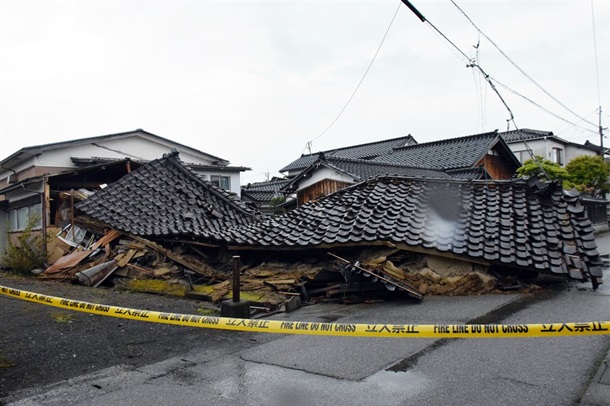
136	264
163	229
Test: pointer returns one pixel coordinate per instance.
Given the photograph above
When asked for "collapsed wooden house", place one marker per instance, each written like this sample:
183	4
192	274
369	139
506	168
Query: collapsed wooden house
411	235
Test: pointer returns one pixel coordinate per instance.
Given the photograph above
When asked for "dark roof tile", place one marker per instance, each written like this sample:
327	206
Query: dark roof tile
397	209
152	200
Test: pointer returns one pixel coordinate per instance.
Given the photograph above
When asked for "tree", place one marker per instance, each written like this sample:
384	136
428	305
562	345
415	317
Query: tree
28	252
589	174
276	204
534	167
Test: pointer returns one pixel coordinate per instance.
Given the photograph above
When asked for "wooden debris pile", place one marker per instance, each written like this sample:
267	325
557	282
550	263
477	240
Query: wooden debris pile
179	269
430	274
185	269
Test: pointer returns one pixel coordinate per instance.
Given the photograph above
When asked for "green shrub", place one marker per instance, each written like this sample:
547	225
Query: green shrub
28	252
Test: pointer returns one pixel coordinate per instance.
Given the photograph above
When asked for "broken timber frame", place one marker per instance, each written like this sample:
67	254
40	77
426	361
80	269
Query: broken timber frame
198	268
411	290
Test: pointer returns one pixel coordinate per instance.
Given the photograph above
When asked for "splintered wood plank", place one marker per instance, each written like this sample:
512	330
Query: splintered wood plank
199	268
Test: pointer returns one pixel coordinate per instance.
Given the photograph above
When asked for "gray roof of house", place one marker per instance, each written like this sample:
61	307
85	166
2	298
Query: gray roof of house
514	223
28	152
524	134
362	169
453	153
165	198
263	191
362	151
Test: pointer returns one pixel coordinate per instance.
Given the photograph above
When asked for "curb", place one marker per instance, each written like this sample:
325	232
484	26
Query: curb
598	392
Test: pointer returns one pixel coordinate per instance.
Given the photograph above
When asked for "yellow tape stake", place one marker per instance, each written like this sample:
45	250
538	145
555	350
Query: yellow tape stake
325	329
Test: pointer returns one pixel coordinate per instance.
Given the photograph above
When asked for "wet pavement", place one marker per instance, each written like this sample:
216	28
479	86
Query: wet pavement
304	370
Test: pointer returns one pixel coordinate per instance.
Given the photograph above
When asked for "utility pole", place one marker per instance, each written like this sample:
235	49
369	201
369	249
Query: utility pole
601	133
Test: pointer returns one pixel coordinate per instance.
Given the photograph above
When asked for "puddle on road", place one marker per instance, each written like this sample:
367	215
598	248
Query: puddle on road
401	381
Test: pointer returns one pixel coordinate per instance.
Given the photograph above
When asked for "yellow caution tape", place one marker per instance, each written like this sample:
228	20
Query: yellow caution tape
326	329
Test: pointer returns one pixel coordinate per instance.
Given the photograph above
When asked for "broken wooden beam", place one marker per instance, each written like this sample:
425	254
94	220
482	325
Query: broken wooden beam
411	290
201	269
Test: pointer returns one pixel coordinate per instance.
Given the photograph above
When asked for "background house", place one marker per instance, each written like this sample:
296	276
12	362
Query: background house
265	196
33	179
546	145
366	151
330	174
479	156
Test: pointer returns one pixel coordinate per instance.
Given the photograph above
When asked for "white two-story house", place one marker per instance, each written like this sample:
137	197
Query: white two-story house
35	179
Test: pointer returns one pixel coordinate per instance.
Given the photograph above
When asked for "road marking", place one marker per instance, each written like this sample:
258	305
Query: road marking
323	329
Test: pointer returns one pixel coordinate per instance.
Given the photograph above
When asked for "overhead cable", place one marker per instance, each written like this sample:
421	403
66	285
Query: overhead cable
359	83
473	64
519	68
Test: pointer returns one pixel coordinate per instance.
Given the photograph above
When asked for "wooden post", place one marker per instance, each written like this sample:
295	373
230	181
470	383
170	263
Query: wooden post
235	266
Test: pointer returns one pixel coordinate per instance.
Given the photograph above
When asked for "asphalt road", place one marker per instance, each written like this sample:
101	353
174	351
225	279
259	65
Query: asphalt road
306	370
233	368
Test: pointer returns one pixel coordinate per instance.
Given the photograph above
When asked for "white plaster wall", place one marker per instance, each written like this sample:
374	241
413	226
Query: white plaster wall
542	147
136	147
323	173
573	151
133	147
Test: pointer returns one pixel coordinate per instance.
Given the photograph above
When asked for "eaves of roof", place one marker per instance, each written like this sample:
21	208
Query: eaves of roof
73	171
220	168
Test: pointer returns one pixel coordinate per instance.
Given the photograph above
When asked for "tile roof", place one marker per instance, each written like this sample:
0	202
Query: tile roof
166	198
513	223
362	169
453	153
524	134
362	151
478	172
264	191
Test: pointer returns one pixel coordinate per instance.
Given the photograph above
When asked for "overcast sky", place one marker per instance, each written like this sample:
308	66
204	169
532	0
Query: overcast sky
252	82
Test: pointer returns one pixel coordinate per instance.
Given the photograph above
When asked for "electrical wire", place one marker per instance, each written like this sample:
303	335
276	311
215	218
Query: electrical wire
308	145
473	64
519	68
599	98
568	128
516	93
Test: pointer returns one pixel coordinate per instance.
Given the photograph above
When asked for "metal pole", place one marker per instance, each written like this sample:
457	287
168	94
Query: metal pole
235	266
72	212
601	133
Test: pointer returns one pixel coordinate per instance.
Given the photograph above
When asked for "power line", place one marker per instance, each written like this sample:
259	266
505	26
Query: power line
473	64
518	68
308	145
600	128
516	93
599	98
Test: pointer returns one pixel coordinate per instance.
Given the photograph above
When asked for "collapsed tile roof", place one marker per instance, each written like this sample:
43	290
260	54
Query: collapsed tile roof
513	223
362	151
453	153
165	198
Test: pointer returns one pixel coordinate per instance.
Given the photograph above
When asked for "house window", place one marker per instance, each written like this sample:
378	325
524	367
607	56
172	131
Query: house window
557	156
18	218
223	182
